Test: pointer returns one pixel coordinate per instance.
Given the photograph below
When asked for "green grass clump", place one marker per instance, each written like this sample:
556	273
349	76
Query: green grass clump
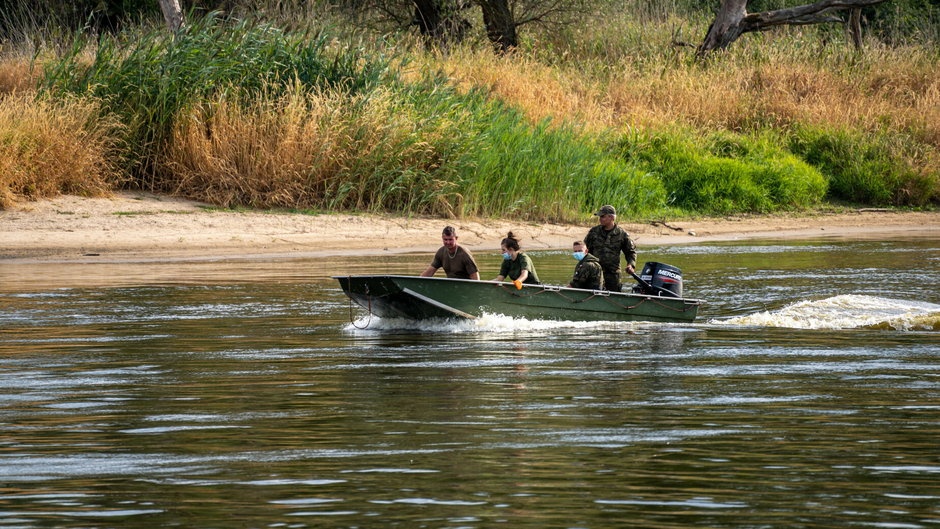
866	168
556	173
149	78
725	172
491	161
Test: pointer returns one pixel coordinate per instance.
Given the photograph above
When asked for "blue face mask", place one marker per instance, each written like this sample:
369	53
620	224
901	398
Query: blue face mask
506	256
578	255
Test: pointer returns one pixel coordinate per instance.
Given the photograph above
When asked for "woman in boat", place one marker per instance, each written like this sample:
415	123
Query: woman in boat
517	266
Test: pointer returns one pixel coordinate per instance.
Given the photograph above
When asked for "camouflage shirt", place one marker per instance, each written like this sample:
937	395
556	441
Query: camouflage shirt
607	245
588	274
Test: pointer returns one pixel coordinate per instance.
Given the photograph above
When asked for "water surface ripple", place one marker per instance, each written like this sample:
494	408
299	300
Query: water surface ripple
240	394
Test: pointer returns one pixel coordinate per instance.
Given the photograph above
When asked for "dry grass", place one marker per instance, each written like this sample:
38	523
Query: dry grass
50	148
17	75
226	154
301	150
897	88
539	90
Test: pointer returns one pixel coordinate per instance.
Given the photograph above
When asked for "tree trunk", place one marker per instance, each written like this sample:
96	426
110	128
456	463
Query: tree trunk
500	24
727	26
440	21
854	25
172	14
733	20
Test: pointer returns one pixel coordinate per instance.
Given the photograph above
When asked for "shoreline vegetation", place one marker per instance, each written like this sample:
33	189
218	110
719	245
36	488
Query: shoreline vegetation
272	110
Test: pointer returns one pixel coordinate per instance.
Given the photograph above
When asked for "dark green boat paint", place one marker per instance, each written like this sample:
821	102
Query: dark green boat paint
417	298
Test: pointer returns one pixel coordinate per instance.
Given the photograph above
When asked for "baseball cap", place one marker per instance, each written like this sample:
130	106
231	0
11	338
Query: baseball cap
606	210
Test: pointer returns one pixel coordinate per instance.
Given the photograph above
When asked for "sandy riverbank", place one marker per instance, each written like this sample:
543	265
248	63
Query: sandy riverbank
144	227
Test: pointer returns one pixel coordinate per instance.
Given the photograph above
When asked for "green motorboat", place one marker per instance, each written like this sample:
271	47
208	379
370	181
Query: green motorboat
417	298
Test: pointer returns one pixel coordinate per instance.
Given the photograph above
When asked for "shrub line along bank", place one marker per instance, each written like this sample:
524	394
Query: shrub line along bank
245	114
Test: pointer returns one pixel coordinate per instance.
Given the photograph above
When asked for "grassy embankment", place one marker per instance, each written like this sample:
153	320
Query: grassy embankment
251	115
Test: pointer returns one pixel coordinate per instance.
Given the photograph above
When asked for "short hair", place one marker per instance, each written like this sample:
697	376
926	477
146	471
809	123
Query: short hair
576	243
450	231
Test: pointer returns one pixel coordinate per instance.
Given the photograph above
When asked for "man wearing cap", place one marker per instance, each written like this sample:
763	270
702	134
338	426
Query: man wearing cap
606	242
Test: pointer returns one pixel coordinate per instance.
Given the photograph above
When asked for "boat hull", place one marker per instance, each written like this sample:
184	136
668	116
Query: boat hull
418	298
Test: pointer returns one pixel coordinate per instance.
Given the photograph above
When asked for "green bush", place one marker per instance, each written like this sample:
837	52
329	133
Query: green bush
866	168
724	172
496	163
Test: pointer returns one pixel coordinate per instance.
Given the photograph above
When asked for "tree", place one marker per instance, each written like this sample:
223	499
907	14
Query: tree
443	22
500	24
440	21
733	20
172	14
502	18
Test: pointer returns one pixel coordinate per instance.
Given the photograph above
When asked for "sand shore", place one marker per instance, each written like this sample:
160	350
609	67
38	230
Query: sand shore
132	226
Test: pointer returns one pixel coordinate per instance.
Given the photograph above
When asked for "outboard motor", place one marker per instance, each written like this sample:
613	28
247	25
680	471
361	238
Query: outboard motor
660	279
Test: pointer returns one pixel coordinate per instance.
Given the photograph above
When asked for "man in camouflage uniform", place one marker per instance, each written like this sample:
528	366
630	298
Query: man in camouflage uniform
607	241
588	274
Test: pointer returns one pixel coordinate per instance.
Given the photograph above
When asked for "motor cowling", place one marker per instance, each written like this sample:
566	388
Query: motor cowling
663	280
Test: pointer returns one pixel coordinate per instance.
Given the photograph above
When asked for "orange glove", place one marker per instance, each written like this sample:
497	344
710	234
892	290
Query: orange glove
518	284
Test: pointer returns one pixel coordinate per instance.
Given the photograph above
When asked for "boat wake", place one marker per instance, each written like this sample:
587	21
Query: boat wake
848	312
486	323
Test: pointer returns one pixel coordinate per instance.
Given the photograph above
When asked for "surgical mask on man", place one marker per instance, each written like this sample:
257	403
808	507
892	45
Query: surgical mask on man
578	255
506	256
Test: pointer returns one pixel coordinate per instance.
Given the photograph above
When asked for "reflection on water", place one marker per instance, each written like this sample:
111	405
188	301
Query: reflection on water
240	394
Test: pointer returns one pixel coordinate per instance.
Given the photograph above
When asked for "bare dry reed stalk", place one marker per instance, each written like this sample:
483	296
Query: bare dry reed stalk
17	75
783	93
49	148
262	155
299	150
540	91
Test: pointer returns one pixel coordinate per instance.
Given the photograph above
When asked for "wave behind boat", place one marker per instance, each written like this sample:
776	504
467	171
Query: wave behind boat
485	323
847	312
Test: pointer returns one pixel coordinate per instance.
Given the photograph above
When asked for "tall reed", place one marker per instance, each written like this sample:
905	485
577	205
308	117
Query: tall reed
316	148
48	148
241	113
147	79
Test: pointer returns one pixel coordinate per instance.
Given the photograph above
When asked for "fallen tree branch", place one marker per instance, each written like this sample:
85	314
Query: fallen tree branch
665	224
733	20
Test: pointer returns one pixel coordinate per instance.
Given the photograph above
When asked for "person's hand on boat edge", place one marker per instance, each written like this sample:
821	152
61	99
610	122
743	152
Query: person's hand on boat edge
518	284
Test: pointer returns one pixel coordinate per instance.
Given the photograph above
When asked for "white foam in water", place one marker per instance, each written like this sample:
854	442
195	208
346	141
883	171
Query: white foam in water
485	323
848	312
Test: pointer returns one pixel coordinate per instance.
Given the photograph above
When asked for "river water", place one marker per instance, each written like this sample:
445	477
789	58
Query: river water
238	394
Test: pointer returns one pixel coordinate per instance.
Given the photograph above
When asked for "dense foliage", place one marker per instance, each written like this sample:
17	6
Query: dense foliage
894	21
256	112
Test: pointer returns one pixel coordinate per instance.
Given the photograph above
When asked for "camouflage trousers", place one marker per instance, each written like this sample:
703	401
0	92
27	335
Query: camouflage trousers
612	280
